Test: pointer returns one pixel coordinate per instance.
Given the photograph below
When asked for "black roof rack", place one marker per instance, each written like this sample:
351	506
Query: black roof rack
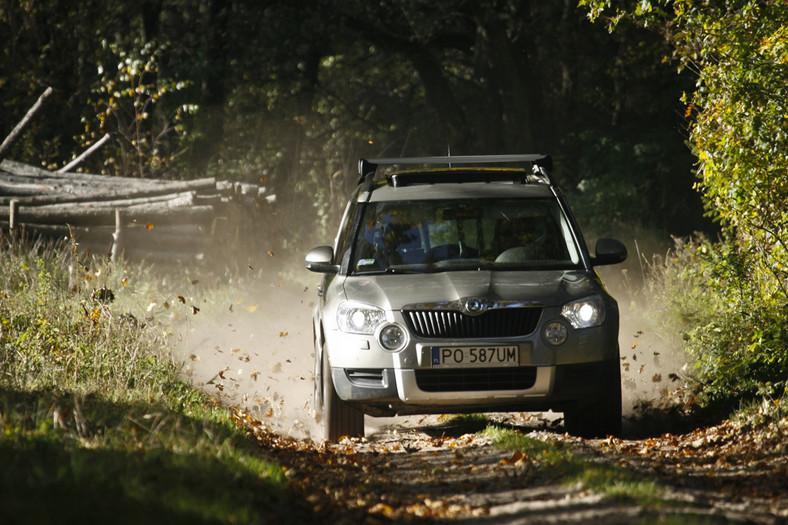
543	165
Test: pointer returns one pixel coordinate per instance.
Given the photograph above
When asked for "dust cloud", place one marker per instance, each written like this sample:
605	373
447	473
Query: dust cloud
653	361
253	348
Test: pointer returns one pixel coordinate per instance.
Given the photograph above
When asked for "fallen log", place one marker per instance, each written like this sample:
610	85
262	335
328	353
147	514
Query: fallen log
143	214
135	230
19	169
199	186
182	199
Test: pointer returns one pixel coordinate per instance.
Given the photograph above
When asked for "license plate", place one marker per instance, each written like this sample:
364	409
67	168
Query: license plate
475	356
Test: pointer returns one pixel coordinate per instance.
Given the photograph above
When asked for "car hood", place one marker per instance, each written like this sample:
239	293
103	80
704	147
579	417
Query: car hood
392	292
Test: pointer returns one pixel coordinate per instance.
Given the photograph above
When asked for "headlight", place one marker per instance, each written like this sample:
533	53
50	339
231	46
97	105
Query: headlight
585	313
392	337
358	318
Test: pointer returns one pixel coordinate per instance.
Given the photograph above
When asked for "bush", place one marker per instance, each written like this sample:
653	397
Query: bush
62	330
733	329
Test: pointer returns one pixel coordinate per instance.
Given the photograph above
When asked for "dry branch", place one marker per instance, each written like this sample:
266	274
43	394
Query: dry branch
85	154
20	127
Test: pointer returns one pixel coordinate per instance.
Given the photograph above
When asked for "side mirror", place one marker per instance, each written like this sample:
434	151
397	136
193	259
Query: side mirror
321	260
609	251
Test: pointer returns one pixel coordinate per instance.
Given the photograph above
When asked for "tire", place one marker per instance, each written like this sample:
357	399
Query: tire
339	418
602	417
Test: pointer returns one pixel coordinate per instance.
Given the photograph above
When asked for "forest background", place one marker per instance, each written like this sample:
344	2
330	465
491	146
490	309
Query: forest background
662	116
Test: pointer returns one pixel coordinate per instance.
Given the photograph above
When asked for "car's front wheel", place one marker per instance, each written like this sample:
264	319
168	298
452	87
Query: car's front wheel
339	418
602	416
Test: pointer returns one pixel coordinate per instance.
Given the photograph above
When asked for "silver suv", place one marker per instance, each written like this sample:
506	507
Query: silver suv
464	289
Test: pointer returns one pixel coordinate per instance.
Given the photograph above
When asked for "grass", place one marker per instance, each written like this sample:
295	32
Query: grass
558	463
95	424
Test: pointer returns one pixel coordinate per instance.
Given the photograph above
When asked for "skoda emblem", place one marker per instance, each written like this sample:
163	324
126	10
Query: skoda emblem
475	306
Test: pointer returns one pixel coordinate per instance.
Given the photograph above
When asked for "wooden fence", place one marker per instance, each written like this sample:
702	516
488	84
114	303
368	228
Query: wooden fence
139	219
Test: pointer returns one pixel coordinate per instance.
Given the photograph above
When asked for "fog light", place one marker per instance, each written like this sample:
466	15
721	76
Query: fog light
392	337
555	333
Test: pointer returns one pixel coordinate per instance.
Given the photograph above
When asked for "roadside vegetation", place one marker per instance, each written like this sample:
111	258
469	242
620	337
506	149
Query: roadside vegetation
730	294
95	423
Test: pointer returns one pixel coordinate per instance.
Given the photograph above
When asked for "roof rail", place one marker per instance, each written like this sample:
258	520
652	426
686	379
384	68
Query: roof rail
368	167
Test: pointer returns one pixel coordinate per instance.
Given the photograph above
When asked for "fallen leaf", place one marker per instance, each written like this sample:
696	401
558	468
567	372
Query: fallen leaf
149	226
194	357
657	378
251	308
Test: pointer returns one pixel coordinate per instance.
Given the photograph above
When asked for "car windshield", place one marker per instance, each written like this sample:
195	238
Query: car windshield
472	234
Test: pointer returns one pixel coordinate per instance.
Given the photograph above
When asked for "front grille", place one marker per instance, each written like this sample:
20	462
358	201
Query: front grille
476	379
451	324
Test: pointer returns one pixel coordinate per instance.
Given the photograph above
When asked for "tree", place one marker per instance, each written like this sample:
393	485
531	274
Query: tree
293	92
739	49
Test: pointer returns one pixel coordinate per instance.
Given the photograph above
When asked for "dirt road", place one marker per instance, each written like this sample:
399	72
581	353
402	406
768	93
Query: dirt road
720	474
255	353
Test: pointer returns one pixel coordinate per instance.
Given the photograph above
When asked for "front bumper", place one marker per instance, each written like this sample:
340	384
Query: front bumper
389	392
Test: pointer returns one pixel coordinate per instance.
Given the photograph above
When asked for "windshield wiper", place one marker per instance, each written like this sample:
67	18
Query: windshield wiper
388	270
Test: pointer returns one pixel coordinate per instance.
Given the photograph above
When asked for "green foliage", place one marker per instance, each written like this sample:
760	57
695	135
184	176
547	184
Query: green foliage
58	333
95	423
132	105
739	132
738	339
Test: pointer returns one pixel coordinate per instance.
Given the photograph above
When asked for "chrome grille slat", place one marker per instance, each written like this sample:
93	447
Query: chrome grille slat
499	322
